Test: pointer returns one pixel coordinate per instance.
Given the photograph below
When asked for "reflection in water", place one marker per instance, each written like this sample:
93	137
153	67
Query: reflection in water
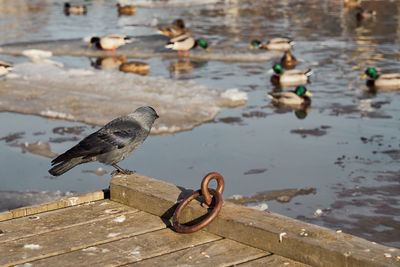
135	67
127	10
184	66
120	63
108	63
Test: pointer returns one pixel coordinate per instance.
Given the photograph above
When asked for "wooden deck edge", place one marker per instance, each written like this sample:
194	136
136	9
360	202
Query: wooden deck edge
52	205
290	238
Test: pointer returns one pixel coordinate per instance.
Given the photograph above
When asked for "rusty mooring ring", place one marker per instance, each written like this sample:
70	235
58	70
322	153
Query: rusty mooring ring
204	186
216	202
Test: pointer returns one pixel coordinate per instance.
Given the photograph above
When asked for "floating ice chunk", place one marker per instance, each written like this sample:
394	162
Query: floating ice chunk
36	53
234	97
98	96
260	206
318	212
32	246
56	115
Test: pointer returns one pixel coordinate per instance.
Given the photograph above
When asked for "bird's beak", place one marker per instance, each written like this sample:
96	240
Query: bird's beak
208	49
364	76
309	94
251	47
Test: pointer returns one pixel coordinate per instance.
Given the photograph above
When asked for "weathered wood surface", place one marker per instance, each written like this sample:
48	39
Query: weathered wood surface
107	233
142	47
53	205
267	231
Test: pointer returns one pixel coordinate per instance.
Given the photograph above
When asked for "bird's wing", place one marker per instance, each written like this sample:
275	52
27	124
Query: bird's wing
114	135
180	38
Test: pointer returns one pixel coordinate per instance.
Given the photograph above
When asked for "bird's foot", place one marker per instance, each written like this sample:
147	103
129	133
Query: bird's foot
122	171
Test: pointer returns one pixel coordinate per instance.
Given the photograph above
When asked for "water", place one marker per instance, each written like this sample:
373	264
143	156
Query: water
347	147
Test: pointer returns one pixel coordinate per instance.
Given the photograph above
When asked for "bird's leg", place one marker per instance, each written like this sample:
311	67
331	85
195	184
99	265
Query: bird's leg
120	170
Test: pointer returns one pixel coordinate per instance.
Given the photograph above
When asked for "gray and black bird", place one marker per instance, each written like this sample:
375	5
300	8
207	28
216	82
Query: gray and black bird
110	144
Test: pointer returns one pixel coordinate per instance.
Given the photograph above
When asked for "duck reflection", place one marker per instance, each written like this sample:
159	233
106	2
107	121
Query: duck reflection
108	63
136	67
184	66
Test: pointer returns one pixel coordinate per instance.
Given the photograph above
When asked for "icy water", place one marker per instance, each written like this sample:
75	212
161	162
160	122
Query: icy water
344	154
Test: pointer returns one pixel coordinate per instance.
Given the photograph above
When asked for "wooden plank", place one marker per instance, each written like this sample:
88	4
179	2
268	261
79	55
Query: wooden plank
129	250
225	252
61	219
273	260
53	205
268	231
78	237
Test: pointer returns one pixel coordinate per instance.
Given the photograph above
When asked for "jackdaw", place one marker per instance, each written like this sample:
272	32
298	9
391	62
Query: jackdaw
110	144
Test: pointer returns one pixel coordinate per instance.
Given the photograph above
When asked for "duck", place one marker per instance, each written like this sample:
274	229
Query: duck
108	63
288	61
364	14
276	44
128	10
175	29
185	42
298	97
387	81
109	42
285	78
75	9
5	68
135	67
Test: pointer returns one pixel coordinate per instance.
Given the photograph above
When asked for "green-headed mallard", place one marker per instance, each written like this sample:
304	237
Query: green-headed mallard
300	96
276	44
75	9
175	29
288	61
128	10
185	42
5	68
289	77
109	42
135	67
388	81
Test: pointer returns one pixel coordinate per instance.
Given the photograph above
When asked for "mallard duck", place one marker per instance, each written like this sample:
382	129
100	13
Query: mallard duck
108	63
135	67
289	77
277	44
288	61
185	42
300	96
76	9
5	68
128	10
388	81
175	29
364	14
109	42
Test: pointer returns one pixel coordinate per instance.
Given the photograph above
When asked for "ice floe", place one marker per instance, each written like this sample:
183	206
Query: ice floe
98	96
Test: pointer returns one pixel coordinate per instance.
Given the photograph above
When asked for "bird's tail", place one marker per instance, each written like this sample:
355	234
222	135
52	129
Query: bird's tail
64	167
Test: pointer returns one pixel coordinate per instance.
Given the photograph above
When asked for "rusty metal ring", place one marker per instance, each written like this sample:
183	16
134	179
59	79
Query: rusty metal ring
204	186
190	229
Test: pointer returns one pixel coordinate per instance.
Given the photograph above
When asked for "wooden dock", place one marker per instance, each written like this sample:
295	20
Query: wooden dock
132	227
